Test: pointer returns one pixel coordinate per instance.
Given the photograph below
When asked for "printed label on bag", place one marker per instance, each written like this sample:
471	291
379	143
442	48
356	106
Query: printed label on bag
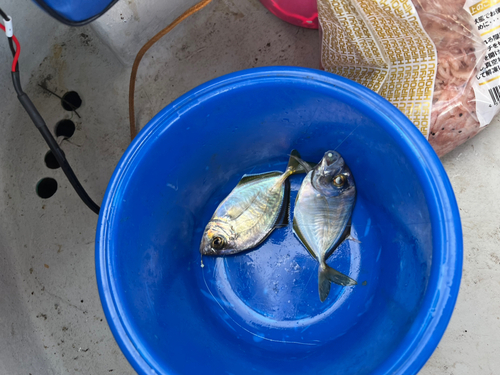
382	45
486	15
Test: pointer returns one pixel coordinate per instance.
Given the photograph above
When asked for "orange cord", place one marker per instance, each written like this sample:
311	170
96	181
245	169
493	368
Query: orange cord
131	93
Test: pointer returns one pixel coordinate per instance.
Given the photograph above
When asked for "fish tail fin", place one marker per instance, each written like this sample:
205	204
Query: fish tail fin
297	165
327	275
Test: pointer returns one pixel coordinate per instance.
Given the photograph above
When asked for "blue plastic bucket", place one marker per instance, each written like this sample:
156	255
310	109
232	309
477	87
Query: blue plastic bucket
259	312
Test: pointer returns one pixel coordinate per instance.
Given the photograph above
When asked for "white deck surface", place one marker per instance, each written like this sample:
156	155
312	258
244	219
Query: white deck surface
51	321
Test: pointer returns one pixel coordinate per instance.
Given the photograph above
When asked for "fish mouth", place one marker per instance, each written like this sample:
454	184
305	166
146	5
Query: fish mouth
218	253
208	252
205	248
331	157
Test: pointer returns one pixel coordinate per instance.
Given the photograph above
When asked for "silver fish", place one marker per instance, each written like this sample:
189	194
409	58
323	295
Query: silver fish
322	215
257	205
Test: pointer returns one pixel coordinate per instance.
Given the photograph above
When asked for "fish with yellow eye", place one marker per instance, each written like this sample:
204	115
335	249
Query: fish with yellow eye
256	206
322	215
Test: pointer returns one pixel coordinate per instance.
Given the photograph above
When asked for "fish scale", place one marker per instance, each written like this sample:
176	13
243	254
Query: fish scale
255	217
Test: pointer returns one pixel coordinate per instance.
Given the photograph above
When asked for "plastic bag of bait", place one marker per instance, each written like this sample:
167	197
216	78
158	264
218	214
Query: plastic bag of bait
438	61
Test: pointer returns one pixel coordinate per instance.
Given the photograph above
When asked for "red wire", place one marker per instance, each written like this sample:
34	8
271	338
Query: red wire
18	52
18	49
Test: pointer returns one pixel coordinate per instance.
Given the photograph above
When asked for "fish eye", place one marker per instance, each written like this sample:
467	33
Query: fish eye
218	243
339	180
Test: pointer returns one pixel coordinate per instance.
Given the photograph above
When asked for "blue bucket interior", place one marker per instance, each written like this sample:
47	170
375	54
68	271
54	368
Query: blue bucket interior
259	312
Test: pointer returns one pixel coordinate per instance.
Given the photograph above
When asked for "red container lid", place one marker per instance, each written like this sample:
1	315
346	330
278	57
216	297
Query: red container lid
303	13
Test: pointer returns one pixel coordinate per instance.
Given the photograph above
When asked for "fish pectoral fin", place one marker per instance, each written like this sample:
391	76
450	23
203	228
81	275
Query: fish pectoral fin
326	275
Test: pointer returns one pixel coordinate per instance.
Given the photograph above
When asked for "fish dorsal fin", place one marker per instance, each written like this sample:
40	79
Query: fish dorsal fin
257	177
233	211
299	234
